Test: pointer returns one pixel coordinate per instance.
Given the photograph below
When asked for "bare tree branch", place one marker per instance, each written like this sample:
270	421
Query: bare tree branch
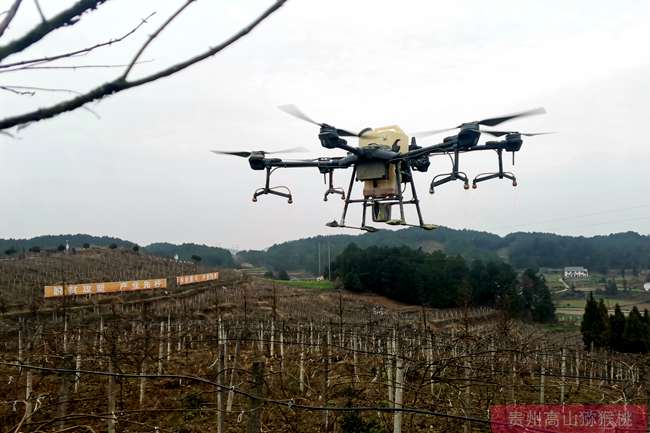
121	84
67	17
73	67
40	11
80	51
18	92
154	35
8	134
43	89
11	13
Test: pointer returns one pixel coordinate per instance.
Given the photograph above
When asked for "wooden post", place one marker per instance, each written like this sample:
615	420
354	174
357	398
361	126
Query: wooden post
142	381
111	398
220	363
255	407
541	381
302	362
169	337
231	392
399	378
563	373
160	348
64	390
77	376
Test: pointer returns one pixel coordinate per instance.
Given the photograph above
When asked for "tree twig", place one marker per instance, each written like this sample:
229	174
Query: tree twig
155	34
120	84
65	18
73	67
17	92
79	51
11	13
40	11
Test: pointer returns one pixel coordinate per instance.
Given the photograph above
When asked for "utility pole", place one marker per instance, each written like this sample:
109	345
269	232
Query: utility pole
329	261
319	270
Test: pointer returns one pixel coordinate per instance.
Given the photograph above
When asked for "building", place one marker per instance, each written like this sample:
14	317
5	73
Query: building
576	273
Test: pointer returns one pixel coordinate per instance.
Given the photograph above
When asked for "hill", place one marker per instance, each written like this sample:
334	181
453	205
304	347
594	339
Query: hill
628	250
210	256
213	256
22	277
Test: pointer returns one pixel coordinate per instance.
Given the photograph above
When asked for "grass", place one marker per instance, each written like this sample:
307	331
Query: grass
323	285
310	284
562	325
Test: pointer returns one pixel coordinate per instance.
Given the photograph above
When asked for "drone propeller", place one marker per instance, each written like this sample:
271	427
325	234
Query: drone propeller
492	121
502	133
297	113
246	154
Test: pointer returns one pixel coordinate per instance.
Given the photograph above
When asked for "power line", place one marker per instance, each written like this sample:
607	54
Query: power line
573	217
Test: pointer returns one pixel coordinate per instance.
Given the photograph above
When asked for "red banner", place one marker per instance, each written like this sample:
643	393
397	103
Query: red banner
111	287
569	418
183	280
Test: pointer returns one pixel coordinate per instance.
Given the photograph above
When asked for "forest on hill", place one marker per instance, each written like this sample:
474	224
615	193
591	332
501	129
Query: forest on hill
627	250
441	281
209	256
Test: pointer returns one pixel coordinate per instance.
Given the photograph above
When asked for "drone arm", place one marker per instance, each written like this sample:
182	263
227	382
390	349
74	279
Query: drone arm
436	148
320	163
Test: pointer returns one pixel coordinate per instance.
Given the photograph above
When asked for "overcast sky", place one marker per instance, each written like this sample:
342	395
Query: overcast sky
144	172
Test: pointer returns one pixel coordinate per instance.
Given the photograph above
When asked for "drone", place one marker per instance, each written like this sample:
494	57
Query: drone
385	161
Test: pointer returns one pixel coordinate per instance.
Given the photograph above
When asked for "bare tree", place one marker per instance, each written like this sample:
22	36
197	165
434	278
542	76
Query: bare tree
69	17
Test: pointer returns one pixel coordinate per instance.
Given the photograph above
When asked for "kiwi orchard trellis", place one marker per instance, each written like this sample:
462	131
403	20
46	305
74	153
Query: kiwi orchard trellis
248	356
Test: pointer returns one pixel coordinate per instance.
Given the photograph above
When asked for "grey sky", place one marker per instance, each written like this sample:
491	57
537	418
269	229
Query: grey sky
144	171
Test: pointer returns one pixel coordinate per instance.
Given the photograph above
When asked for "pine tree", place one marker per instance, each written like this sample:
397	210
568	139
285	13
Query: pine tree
589	318
634	335
595	324
617	326
538	303
603	330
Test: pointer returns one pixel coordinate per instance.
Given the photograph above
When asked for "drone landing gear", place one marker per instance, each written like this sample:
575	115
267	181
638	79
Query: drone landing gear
499	175
448	177
273	190
331	189
381	207
366	228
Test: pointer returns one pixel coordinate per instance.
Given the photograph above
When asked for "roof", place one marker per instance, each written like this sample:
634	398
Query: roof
575	269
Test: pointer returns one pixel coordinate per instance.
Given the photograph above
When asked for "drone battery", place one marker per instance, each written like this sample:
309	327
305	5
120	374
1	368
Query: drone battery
382	188
372	171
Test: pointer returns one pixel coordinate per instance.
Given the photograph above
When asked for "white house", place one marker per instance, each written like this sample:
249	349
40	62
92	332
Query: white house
576	272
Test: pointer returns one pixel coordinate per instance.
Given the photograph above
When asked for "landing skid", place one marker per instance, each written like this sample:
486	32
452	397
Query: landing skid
272	190
368	229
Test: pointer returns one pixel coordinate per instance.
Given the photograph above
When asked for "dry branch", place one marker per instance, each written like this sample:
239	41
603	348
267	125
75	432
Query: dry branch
120	84
11	13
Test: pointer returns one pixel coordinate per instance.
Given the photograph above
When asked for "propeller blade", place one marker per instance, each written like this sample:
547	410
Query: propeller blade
242	154
290	150
294	111
430	132
494	121
501	133
532	134
245	154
